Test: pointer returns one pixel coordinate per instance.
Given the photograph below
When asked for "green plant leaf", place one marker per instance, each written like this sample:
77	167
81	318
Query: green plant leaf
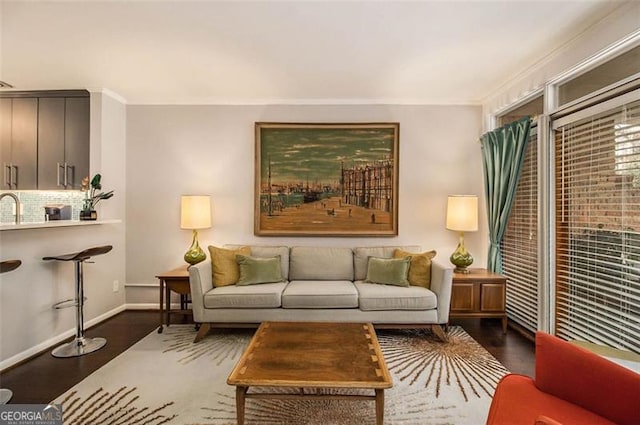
95	182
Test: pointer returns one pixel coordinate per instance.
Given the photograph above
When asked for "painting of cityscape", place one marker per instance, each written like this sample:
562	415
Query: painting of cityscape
326	179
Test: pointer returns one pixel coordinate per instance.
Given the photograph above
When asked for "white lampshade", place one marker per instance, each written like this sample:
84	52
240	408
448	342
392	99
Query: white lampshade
195	212
462	213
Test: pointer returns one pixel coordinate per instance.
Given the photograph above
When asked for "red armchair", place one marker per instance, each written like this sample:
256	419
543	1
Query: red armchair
572	386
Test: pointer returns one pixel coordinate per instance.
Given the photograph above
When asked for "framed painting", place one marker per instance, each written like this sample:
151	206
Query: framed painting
326	179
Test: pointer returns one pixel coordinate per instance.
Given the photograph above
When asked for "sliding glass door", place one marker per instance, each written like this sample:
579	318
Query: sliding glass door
597	223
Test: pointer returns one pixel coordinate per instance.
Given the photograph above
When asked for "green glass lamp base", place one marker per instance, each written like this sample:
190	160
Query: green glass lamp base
195	254
462	270
461	257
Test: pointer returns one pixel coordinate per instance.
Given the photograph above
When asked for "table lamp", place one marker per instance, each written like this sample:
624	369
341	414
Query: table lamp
195	214
462	216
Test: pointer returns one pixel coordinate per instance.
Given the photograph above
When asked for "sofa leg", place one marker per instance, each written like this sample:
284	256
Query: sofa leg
437	331
202	332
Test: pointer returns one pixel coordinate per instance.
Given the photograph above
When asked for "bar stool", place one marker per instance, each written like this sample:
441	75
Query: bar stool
80	345
7	266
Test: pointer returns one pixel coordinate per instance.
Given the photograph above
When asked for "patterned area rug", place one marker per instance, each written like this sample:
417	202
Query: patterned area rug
166	379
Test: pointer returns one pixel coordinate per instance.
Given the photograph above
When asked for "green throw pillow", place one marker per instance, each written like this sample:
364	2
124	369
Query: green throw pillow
388	271
254	270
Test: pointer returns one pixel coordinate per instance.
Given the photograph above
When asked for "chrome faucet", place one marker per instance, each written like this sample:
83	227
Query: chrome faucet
15	198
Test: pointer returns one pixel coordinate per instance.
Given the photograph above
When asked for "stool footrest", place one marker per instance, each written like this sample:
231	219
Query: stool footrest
67	303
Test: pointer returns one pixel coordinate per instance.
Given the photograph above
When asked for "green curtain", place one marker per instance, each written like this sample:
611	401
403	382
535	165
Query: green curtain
503	152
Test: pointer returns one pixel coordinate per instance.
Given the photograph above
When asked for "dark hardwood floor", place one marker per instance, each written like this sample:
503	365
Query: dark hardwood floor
513	350
43	378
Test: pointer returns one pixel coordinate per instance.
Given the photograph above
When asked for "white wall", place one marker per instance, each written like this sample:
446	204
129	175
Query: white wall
28	323
175	150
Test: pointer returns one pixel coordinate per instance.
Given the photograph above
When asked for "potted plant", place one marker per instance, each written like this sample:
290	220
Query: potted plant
93	196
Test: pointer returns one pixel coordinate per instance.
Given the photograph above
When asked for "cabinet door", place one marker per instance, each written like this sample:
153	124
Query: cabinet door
5	141
76	139
462	297
51	143
24	143
493	297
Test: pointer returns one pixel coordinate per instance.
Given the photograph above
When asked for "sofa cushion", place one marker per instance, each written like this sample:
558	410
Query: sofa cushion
361	257
420	267
388	271
320	294
373	297
255	270
264	251
321	263
268	295
224	266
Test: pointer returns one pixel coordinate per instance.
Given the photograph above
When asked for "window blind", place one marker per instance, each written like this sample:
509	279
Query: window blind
520	243
598	228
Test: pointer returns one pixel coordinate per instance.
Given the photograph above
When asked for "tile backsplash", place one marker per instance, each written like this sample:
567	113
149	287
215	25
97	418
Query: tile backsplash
33	202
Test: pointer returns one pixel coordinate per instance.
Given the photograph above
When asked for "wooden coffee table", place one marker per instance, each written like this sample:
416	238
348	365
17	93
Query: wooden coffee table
302	355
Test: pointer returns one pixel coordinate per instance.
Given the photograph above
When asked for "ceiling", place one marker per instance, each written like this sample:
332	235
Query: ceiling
245	52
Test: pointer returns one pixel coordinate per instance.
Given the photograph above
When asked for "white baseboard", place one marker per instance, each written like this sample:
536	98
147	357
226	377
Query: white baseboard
142	285
45	345
142	306
149	306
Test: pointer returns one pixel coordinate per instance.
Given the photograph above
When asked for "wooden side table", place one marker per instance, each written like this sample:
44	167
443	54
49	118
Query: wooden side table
176	280
480	293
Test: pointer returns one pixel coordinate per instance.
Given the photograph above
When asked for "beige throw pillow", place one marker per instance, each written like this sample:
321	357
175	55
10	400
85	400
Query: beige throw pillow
223	262
420	267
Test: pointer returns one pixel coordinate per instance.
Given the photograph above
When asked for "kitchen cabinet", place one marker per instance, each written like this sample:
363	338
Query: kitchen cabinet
44	139
19	143
63	142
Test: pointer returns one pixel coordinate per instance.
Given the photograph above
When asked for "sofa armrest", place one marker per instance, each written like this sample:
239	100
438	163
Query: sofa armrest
581	377
201	282
441	283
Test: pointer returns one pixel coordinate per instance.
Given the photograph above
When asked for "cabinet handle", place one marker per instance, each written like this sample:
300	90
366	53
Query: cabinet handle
58	174
68	181
14	177
7	175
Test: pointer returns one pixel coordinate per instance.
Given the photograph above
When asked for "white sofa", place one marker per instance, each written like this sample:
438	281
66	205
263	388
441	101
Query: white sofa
321	284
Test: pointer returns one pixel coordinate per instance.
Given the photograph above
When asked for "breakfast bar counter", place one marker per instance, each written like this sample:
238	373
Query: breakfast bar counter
55	223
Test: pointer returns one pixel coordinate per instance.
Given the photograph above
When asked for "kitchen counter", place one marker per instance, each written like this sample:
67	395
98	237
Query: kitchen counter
54	223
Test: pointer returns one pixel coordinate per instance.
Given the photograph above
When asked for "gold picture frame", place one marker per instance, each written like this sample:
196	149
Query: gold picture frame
326	179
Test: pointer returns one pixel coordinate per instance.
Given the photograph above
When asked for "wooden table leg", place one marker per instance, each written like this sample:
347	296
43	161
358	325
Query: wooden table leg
161	305
379	407
504	324
167	302
240	392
